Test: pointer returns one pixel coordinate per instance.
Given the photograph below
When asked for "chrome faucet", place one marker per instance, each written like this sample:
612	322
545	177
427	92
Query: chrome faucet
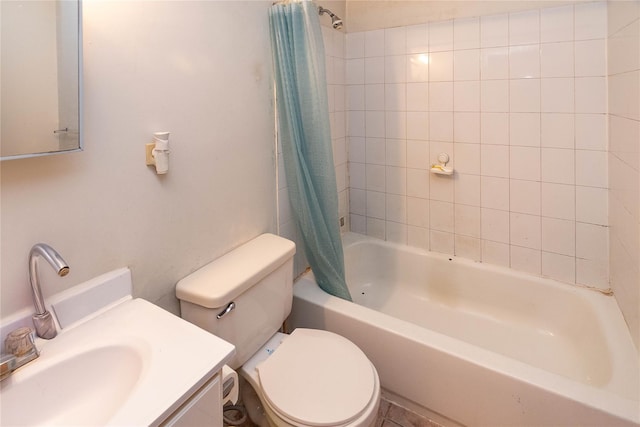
42	319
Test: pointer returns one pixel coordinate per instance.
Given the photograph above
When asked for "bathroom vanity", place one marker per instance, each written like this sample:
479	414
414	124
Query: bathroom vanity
116	361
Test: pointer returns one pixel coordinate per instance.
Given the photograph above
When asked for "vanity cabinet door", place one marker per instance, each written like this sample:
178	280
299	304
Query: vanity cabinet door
204	408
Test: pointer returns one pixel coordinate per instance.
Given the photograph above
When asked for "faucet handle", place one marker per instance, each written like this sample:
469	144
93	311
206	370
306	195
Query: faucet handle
20	342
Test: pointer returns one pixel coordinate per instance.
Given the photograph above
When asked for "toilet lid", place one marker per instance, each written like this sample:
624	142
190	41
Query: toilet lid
317	378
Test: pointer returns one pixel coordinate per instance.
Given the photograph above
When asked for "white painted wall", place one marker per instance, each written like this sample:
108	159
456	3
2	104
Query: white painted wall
201	70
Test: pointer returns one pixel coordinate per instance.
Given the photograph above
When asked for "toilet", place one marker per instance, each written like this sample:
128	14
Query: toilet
307	378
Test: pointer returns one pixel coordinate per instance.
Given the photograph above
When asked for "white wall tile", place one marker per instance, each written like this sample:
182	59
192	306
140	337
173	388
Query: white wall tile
557	130
374	43
495	128
466	33
374	97
558	201
467	189
494	225
466	65
441	216
494	96
524	129
418	183
441	66
417	67
441	96
591	241
354	45
355	97
396	208
418	154
495	253
591	132
417	125
557	95
467	220
494	63
375	179
395	124
466	96
418	237
442	242
395	69
591	21
591	168
495	193
494	30
468	247
558	236
441	188
395	41
358	201
591	94
417	96
524	197
466	158
524	28
357	149
525	230
418	38
524	95
556	24
358	224
418	212
374	124
376	151
525	163
526	259
558	165
592	205
592	273
441	126
376	228
356	123
557	59
355	71
395	97
375	204
466	127
396	232
494	160
357	175
396	153
440	36
524	61
373	71
590	58
559	267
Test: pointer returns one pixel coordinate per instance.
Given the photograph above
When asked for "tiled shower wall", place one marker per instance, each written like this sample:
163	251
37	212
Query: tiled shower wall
624	157
519	102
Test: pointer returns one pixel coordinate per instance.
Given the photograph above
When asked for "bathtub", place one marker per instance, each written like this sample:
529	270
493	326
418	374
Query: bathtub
478	344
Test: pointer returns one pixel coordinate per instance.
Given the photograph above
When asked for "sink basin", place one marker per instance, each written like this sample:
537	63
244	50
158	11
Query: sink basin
116	361
96	382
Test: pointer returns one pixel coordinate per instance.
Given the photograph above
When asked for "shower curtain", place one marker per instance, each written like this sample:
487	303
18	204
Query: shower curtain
303	130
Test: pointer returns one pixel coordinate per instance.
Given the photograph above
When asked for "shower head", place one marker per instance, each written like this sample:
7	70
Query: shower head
336	22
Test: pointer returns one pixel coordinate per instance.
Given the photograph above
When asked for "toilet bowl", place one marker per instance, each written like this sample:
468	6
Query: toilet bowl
310	378
314	378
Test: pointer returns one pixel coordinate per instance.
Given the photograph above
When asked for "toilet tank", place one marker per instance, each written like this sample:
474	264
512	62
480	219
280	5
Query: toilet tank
256	279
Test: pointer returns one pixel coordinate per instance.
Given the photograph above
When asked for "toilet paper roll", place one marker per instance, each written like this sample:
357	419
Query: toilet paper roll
229	386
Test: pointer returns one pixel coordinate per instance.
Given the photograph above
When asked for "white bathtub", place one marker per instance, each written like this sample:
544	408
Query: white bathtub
478	344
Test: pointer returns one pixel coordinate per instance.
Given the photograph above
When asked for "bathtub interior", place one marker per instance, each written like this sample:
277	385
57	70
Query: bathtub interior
558	328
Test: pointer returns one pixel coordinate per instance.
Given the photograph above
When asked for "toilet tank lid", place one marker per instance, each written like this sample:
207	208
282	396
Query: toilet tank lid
223	279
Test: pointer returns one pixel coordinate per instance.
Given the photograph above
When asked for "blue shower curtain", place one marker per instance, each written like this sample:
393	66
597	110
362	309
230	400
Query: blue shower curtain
303	130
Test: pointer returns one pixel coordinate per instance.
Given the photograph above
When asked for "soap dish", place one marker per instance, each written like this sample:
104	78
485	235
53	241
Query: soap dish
441	170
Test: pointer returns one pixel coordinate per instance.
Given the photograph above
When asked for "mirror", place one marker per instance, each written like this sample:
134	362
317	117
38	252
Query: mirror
40	77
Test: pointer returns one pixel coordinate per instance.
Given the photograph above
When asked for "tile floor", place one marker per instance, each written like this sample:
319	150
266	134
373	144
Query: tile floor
389	415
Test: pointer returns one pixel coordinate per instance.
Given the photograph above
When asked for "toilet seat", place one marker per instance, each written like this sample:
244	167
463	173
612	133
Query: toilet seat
317	378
